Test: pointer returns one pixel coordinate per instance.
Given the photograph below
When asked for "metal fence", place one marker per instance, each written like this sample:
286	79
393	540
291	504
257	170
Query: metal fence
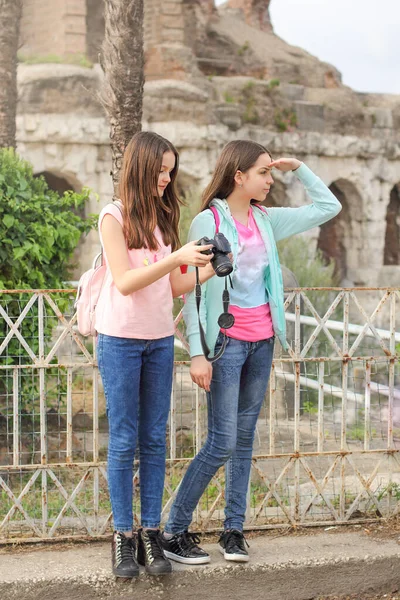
327	441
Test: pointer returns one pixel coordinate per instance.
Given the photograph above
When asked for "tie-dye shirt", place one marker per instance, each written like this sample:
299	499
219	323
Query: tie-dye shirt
249	300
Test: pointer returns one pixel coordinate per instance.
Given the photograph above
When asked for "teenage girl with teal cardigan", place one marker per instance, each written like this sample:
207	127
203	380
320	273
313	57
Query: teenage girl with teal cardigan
236	383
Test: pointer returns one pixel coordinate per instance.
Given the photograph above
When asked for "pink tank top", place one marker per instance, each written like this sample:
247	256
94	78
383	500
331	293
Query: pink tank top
144	314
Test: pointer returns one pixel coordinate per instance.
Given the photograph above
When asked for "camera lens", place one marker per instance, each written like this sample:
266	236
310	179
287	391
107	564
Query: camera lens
222	265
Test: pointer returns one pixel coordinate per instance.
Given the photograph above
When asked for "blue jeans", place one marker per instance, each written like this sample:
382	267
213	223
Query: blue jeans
238	386
137	380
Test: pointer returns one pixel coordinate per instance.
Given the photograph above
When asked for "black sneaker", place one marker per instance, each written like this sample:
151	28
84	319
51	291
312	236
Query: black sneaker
233	544
183	548
151	554
123	555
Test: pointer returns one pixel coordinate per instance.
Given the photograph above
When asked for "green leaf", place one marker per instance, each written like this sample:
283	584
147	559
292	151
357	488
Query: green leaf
8	221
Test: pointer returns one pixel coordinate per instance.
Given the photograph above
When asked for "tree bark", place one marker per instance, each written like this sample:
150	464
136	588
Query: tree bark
123	65
10	18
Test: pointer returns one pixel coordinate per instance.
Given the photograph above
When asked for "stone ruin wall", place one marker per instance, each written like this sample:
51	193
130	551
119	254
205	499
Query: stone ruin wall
255	12
351	140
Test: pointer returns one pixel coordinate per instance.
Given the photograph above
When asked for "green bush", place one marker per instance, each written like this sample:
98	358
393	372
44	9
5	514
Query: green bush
228	97
311	270
308	265
39	230
248	100
189	210
285	119
274	83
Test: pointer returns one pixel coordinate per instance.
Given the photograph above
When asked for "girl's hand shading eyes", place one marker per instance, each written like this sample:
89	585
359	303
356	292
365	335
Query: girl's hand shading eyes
285	164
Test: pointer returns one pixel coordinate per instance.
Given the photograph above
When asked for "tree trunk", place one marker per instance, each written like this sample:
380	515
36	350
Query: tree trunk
10	18
123	65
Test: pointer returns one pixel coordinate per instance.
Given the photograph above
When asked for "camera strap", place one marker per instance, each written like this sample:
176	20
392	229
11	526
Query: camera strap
225	320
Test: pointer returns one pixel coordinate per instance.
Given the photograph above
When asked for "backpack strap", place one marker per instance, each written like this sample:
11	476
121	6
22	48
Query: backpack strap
118	204
216	217
262	208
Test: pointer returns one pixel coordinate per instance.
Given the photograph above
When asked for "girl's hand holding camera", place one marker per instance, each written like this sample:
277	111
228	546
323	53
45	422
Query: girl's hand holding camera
191	254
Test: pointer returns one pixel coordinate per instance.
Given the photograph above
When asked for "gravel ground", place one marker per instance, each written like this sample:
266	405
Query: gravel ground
363	597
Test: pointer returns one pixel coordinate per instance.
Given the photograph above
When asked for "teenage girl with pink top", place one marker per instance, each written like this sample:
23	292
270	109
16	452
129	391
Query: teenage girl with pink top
136	339
237	382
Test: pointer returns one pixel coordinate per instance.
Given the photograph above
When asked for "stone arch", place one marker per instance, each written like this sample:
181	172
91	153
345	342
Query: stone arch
60	182
340	239
391	254
63	182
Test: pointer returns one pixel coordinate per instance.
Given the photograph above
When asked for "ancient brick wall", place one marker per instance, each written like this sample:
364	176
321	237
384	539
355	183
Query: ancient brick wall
62	27
94	28
168	54
256	12
53	27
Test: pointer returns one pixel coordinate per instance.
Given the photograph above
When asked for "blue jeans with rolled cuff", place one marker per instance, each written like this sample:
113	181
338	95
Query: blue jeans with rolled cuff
137	379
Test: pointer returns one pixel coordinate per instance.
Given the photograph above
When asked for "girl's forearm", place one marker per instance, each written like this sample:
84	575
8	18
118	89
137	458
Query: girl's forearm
133	280
185	282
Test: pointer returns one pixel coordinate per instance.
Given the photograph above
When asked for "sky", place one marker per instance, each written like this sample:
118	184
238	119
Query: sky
361	38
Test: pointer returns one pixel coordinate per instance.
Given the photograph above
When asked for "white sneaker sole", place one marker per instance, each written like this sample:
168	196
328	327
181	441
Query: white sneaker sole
201	560
234	557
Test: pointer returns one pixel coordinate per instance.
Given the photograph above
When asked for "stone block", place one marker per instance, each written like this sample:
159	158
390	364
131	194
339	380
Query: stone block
30	122
292	91
171	8
91	161
75	24
173	35
173	22
310	116
361	277
229	115
382	118
76	7
75	43
169	61
105	185
51	149
389	276
34	153
170	88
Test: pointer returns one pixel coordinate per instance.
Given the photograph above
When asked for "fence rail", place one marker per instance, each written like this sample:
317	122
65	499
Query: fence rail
327	442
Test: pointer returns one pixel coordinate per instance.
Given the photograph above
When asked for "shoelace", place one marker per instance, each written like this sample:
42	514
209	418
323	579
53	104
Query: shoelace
153	545
125	549
235	538
190	539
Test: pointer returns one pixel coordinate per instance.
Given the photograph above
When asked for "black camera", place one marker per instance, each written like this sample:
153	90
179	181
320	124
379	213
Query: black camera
221	248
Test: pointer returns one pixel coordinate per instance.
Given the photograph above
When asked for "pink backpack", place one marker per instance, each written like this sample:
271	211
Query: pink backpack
89	289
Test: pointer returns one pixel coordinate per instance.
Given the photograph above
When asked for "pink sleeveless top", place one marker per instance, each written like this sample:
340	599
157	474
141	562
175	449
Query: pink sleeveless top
144	314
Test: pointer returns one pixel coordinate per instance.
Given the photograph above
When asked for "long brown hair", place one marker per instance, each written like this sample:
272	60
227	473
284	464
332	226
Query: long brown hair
239	155
143	208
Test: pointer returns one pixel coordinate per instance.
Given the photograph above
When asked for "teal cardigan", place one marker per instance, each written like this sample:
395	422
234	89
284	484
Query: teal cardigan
275	224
